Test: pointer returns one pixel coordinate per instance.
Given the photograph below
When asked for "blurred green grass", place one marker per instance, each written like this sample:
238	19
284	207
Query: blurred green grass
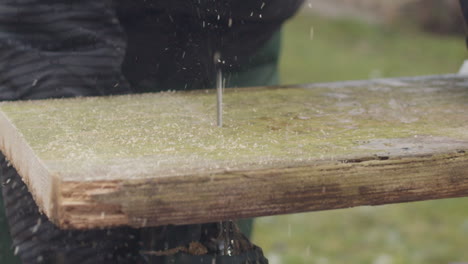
432	232
347	49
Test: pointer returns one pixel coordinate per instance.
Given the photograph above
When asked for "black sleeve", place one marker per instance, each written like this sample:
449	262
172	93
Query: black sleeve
51	48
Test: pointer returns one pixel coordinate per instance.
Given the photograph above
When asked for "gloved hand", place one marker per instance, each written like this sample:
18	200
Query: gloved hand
220	243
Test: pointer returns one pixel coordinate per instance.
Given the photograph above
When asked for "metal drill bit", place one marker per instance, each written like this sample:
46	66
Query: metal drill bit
219	96
219	88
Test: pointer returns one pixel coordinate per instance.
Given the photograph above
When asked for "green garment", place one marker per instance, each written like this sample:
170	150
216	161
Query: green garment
262	70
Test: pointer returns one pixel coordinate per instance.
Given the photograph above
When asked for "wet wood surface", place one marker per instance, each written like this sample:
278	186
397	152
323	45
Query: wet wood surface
157	159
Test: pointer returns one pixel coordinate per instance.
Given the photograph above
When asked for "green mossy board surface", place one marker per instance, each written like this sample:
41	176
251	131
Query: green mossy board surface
148	136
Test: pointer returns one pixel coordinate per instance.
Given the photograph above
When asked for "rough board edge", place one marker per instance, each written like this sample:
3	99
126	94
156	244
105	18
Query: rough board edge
32	170
78	210
207	197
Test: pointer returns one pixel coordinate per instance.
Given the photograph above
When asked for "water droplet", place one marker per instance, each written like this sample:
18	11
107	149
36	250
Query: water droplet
36	227
17	250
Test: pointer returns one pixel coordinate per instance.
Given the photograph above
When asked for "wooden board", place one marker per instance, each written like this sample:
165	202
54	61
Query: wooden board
157	159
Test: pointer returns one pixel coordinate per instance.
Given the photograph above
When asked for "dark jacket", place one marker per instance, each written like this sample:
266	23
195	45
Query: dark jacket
53	48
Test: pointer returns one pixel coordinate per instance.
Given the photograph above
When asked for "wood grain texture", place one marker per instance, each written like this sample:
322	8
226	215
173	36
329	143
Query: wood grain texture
156	159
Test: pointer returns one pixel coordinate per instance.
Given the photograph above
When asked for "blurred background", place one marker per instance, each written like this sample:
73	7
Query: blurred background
333	40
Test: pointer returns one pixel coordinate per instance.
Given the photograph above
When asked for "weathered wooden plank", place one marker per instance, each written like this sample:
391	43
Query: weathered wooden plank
157	159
